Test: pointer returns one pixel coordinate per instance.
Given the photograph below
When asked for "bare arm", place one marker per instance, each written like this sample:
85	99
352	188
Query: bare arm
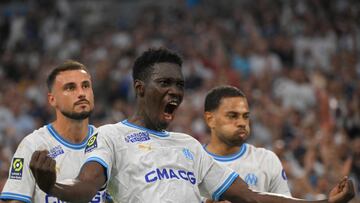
11	201
90	179
239	192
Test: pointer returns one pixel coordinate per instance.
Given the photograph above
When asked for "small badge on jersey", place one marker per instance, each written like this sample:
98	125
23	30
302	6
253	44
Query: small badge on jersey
187	153
91	144
137	137
17	168
283	174
251	179
144	147
56	151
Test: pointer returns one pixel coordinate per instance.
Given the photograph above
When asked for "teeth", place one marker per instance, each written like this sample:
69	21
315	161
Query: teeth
173	103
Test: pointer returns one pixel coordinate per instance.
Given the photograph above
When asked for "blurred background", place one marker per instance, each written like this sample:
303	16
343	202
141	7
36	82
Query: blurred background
297	61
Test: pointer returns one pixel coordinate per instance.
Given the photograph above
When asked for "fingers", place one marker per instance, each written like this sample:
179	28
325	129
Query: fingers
35	162
349	188
342	183
346	186
47	162
40	162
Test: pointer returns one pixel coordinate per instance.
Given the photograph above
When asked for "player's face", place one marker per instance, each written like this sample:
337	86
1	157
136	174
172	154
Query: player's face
164	92
72	94
230	122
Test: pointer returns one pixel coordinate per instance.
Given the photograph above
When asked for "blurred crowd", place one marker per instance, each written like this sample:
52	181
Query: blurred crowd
298	62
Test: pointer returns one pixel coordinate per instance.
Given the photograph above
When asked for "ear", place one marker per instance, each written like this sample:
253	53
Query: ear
139	87
51	99
209	119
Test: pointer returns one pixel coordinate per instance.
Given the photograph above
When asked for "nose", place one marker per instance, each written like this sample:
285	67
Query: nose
176	91
81	93
241	122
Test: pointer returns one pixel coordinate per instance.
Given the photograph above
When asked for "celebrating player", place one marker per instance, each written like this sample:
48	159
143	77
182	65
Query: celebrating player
71	95
141	162
227	115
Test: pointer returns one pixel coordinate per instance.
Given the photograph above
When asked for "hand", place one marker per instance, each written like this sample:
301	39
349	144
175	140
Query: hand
43	169
342	192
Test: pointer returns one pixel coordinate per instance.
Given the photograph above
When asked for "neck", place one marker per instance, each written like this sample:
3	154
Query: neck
139	118
74	131
218	147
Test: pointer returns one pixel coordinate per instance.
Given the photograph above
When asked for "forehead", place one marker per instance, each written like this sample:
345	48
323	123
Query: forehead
234	104
166	70
73	76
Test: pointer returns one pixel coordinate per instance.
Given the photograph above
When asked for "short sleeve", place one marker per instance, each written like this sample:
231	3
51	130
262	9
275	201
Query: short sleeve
278	183
100	149
20	184
214	178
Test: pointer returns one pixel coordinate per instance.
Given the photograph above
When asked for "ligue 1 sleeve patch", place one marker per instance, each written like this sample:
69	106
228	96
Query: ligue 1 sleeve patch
17	168
91	144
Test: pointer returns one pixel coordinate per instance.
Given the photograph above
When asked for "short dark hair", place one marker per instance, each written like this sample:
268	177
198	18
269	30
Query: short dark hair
66	66
143	65
214	96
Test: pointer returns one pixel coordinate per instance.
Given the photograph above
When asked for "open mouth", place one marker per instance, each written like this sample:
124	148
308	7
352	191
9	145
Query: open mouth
170	109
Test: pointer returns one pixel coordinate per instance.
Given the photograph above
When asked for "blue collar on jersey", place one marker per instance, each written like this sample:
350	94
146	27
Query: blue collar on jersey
154	132
66	143
230	157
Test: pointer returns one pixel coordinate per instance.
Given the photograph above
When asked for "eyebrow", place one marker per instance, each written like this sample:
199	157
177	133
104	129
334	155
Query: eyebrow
236	112
74	83
86	82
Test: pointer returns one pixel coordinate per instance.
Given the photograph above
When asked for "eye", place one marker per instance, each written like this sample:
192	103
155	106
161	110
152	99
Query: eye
86	85
164	83
69	87
232	115
180	85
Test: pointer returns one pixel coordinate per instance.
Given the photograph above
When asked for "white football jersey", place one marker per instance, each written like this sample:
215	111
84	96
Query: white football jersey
260	168
143	165
69	158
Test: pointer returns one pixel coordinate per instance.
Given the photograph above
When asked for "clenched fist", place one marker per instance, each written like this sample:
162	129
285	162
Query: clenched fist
43	169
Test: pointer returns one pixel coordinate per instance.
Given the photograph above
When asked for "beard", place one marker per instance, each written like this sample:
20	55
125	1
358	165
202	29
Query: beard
77	116
233	141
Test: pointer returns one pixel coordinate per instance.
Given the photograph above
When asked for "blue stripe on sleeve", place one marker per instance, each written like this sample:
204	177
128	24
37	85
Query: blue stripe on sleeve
217	194
14	196
101	162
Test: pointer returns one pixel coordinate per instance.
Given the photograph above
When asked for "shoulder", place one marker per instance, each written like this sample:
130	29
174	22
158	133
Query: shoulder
262	153
110	129
184	137
36	135
37	138
185	140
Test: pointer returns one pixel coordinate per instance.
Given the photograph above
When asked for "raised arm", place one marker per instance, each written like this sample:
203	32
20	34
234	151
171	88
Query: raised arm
239	192
90	179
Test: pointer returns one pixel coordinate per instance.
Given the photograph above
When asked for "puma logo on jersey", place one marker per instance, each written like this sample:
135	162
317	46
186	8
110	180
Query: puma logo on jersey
145	147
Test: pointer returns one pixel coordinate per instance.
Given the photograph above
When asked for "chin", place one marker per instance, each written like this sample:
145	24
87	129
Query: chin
78	115
237	143
163	125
